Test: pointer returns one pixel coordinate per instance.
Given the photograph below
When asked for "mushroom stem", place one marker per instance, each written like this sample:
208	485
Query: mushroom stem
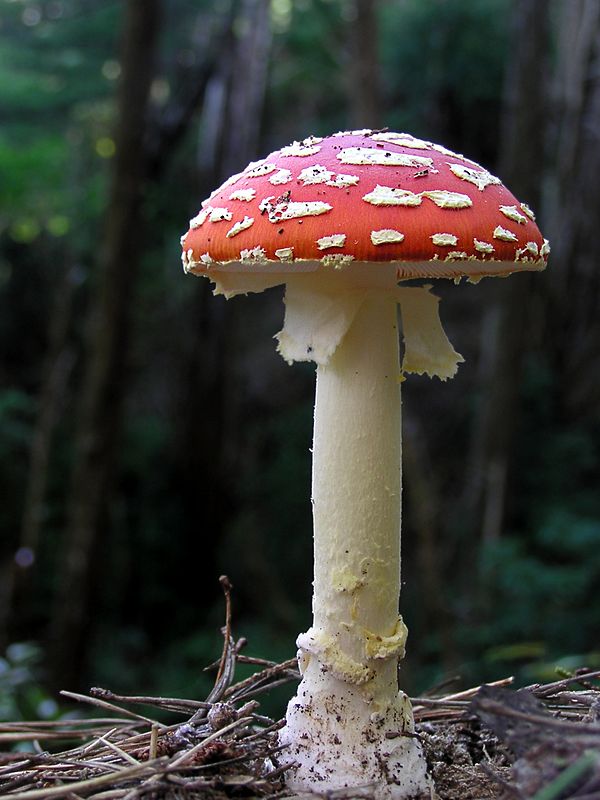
346	727
356	485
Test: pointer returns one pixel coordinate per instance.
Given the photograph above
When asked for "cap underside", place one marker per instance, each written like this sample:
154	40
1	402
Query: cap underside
472	269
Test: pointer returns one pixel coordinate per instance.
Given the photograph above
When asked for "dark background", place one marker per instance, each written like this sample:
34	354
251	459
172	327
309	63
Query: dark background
151	438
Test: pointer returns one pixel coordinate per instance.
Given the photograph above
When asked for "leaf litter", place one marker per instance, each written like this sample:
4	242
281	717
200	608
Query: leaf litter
490	742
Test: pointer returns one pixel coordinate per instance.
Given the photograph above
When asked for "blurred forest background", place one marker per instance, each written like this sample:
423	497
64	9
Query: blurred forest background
150	436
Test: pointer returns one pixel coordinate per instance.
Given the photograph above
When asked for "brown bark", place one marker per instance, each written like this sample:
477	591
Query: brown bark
506	326
574	305
247	81
102	388
210	443
211	39
364	90
235	93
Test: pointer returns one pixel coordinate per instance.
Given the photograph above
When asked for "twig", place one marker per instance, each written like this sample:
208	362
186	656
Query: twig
228	657
544	690
263	687
239	690
467	694
226	586
153	742
84	786
257	662
276	726
55	723
439	701
94	701
169	703
116	749
588	731
216	735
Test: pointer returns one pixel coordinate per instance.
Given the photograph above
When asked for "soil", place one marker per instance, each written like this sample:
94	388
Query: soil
465	761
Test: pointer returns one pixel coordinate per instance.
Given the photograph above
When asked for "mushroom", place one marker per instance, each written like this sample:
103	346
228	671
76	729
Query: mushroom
340	221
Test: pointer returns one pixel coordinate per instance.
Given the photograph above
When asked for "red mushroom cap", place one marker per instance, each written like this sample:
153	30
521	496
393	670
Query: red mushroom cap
365	196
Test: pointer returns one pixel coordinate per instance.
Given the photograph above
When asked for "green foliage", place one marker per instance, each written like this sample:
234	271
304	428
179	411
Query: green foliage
54	87
430	48
308	58
125	658
541	580
39	202
545	588
22	695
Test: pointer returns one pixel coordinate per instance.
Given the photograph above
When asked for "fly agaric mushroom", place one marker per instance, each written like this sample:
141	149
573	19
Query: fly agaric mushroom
340	221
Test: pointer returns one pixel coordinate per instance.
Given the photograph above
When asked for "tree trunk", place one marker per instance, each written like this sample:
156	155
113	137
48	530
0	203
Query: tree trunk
16	594
505	327
103	381
232	113
247	83
574	326
364	90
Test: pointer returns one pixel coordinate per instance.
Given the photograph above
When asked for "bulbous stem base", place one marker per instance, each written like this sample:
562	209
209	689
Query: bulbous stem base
335	740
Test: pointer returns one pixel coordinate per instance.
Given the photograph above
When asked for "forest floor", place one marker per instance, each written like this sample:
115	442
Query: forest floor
491	742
